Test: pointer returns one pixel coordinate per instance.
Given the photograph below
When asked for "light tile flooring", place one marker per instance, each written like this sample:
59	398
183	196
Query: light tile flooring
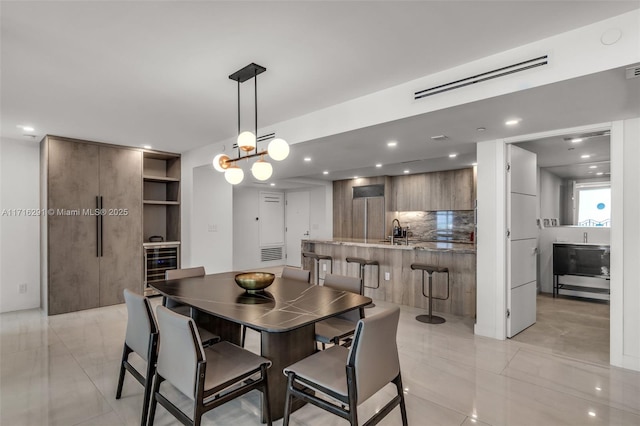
62	370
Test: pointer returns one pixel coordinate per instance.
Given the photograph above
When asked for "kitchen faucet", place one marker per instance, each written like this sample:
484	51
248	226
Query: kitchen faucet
397	231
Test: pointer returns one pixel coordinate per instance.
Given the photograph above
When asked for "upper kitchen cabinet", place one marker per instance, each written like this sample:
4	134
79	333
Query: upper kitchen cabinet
161	177
447	190
92	229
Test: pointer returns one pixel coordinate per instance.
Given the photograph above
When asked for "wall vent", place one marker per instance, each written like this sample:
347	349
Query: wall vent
270	253
633	72
479	78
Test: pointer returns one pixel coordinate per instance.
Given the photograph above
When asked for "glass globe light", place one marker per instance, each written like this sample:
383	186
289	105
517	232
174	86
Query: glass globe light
219	162
278	149
234	175
262	170
247	141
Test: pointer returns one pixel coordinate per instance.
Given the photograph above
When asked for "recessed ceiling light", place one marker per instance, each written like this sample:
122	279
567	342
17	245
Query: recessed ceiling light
600	173
146	146
307	159
576	140
481	129
593	167
474	164
326	172
598	388
379	165
355	177
454	155
406	171
512	122
585	156
25	128
392	143
272	184
592	413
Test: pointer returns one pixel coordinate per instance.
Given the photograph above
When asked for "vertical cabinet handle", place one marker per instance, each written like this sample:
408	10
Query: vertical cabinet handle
101	226
97	226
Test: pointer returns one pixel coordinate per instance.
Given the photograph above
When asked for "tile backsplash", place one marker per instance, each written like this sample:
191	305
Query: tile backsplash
442	225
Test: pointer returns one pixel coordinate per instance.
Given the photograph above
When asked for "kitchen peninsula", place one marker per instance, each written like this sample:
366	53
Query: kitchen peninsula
404	284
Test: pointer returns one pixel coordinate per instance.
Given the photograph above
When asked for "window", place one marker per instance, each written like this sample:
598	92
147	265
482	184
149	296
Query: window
593	204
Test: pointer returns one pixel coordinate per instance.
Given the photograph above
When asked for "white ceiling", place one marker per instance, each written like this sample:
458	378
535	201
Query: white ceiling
156	73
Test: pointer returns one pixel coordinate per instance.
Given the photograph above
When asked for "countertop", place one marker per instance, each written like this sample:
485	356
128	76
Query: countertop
567	243
462	248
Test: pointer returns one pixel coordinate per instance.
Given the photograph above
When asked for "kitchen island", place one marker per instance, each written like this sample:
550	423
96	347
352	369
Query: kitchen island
404	284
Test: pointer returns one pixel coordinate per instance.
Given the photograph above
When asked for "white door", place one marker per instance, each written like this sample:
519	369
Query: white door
297	225
522	239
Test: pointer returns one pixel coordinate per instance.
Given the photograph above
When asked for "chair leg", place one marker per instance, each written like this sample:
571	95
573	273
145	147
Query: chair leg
125	356
157	379
403	408
265	393
151	371
244	335
288	401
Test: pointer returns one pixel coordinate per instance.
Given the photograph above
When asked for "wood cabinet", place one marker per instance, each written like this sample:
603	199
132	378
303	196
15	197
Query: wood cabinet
343	213
447	190
92	232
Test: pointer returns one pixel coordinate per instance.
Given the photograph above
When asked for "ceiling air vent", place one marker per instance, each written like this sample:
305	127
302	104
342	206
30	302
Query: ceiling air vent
633	72
479	78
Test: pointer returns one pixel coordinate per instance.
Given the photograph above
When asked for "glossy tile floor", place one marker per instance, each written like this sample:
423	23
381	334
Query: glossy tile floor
62	370
573	327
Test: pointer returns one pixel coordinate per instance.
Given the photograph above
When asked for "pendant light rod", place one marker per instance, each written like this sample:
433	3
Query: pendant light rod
238	114
255	104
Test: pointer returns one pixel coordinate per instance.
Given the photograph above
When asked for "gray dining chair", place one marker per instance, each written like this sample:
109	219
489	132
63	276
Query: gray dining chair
335	329
208	338
209	376
288	273
296	274
351	376
142	338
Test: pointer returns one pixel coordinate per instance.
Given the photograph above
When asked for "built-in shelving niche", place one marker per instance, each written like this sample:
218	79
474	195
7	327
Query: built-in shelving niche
161	195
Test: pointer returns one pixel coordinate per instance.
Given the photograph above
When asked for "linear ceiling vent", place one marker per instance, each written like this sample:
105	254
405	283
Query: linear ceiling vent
633	72
479	78
270	253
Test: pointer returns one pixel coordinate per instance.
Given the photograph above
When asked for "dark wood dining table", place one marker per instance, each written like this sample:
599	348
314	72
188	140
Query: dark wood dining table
284	314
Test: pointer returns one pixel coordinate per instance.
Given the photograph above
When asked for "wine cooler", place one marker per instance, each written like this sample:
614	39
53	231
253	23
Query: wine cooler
159	257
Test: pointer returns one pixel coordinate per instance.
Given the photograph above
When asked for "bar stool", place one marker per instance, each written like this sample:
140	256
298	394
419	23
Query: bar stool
430	270
318	258
363	263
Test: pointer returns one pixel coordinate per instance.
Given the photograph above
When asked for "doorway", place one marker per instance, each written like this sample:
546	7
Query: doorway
297	225
570	166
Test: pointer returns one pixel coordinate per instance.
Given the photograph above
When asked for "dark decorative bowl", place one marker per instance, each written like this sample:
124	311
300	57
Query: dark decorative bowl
254	281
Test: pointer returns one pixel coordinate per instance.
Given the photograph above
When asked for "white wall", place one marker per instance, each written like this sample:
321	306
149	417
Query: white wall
210	241
19	235
491	243
549	193
625	250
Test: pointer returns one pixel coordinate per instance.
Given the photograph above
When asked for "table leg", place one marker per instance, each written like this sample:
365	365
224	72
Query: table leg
284	349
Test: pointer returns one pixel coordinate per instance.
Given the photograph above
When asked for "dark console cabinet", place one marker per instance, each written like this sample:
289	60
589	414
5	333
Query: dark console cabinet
582	260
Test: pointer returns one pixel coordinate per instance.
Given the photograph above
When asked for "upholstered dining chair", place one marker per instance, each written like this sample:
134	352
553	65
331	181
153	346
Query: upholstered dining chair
142	338
208	338
334	329
289	273
296	274
351	376
209	376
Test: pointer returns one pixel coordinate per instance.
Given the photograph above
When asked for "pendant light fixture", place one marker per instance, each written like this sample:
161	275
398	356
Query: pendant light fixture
277	150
